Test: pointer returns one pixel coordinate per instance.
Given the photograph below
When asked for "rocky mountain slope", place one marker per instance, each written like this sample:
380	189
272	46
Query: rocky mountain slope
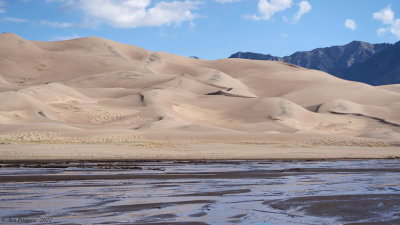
381	68
335	60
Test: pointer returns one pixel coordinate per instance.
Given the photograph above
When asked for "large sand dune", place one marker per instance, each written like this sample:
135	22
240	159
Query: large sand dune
99	89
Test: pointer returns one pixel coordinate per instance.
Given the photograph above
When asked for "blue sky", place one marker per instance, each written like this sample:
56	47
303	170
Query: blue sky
209	29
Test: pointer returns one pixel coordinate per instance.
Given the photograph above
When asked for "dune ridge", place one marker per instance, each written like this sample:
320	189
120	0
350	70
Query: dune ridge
95	88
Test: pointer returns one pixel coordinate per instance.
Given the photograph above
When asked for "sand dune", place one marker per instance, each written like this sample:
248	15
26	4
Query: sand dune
97	87
393	87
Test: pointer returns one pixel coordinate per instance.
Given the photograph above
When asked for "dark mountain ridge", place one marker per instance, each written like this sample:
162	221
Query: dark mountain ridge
336	60
255	56
382	68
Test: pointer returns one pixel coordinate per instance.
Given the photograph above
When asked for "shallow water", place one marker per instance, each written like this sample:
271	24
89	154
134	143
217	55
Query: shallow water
233	192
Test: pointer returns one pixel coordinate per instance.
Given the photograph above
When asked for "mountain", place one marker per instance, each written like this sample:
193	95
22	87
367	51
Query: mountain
103	91
381	68
255	56
334	60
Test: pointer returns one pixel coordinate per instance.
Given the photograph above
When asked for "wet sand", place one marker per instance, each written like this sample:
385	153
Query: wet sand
227	192
258	174
361	207
188	151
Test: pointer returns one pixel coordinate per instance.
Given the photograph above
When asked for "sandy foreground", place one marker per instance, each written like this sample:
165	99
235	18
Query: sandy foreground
187	151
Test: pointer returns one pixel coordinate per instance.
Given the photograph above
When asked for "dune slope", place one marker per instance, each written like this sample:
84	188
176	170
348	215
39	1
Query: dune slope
97	88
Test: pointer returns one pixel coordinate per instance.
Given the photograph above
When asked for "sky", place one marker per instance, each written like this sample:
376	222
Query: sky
208	29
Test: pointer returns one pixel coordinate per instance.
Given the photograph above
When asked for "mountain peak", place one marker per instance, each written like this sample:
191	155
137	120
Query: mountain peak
358	42
381	68
334	60
255	56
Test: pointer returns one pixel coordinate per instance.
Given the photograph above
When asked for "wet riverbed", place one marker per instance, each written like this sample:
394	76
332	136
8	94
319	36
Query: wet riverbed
233	192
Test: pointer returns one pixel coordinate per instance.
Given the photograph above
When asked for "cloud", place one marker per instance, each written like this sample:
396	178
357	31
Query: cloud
304	7
56	24
350	24
2	3
266	9
133	13
395	28
15	20
284	35
227	1
63	38
60	1
387	17
381	31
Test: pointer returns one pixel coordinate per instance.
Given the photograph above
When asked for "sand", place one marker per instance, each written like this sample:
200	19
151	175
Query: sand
201	151
92	91
347	207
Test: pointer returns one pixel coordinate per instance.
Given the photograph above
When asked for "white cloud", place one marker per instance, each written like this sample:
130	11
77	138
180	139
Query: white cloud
381	31
304	7
227	1
15	20
267	8
350	24
387	17
56	24
284	35
2	3
51	1
395	28
133	13
63	38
